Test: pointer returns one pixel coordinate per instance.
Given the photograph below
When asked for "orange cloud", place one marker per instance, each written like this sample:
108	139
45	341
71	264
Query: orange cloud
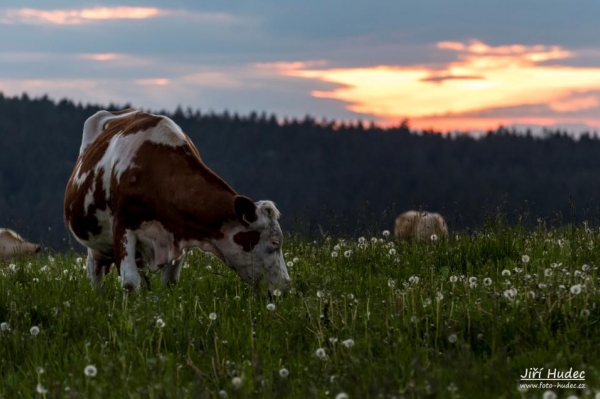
76	17
482	77
100	56
153	82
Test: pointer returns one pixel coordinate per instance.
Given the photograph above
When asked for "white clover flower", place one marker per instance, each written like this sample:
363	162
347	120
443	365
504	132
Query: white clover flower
506	272
295	260
321	354
487	281
576	289
549	394
160	323
342	395
334	254
283	373
433	237
271	306
290	264
453	279
525	258
347	253
4	326
548	272
361	240
276	292
413	279
386	233
348	343
41	389
439	296
90	370
212	316
236	382
336	248
392	252
452	338
35	330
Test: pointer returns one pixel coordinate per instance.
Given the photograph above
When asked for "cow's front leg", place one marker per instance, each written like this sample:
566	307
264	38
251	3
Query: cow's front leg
171	272
130	278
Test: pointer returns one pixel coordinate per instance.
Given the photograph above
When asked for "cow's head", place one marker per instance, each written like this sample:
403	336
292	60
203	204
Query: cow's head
251	245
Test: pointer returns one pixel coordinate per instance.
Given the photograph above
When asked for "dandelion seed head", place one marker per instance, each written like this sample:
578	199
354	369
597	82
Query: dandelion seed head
283	373
160	323
320	294
4	326
361	240
453	279
276	292
586	268
347	253
321	354
433	237
473	284
336	248
386	233
585	313
35	330
576	289
342	395
549	394
236	382
525	258
413	279
506	272
426	302
452	338
271	306
392	251
41	389
348	343
212	316
333	340
472	279
290	264
334	254
487	281
295	260
391	283
223	394
439	296
90	370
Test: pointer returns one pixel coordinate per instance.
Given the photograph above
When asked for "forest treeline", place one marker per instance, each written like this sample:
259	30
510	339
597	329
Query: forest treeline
325	177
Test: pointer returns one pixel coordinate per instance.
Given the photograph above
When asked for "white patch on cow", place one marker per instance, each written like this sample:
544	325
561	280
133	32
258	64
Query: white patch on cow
80	178
93	126
87	201
168	133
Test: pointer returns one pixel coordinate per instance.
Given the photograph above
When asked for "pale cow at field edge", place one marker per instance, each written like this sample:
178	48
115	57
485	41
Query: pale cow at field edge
140	196
12	244
420	226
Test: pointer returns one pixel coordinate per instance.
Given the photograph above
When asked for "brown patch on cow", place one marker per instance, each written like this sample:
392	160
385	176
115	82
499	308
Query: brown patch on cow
247	239
134	123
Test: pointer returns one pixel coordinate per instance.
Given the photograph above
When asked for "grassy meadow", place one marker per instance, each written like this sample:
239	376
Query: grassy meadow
367	318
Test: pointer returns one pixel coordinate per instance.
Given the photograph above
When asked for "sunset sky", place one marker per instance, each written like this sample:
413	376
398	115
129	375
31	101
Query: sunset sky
444	64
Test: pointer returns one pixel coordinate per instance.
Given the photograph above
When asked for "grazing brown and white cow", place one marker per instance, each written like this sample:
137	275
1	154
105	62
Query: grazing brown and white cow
140	195
420	226
12	244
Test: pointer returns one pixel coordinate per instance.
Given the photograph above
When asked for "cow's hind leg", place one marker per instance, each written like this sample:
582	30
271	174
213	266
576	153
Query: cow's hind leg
130	278
171	272
97	267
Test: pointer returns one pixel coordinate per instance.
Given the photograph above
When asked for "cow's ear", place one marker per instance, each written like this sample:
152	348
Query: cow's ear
244	209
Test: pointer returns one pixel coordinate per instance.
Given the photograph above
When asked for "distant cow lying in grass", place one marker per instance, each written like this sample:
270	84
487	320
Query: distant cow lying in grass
420	226
12	244
140	196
